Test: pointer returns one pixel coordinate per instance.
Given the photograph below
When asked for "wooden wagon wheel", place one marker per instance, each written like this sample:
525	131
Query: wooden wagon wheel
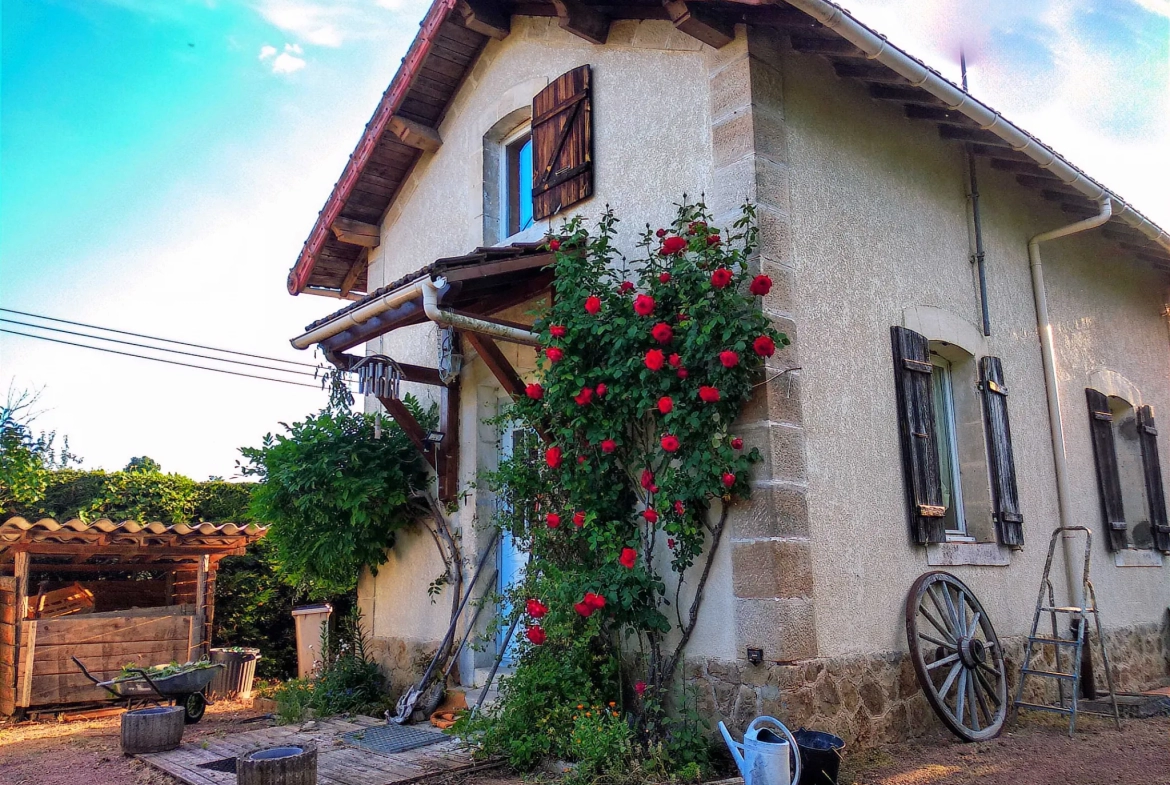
958	658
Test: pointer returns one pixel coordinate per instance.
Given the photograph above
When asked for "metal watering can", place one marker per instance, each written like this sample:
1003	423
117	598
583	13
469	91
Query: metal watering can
765	756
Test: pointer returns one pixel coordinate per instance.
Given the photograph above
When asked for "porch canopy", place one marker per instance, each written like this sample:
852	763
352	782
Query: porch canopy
108	593
461	294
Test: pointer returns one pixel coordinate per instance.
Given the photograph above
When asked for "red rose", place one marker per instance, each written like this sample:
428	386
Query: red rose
662	332
679	508
595	601
651	516
764	346
534	391
670	443
628	558
728	479
600	390
695	226
721	277
761	285
584	397
713	239
670	543
579	518
537	609
557	330
647	479
682	373
554	354
608	445
675	361
554	245
625	286
640	687
553	520
729	359
655	359
737	443
536	634
643	305
665	404
552	456
672	245
580	459
660	233
584	609
664	278
592	304
708	394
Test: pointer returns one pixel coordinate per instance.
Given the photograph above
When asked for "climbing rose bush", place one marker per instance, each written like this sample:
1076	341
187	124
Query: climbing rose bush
643	368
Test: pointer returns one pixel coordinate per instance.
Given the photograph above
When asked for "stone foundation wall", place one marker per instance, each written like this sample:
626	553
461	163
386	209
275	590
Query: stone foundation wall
402	661
875	699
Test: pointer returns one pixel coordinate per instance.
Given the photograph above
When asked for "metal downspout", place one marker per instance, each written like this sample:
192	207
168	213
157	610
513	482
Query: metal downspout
1048	357
430	292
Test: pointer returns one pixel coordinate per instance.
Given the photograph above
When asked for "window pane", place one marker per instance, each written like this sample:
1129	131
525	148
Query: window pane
525	182
948	453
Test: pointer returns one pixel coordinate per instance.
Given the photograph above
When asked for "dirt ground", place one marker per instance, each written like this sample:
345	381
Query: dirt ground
1034	751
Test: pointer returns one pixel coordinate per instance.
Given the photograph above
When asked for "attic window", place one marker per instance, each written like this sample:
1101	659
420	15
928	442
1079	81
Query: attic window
517	183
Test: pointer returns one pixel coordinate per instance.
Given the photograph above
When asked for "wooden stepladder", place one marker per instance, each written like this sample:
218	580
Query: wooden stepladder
1078	623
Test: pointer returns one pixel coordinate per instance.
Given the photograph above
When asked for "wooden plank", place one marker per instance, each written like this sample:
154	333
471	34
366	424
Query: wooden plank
8	613
7	584
7	634
107	656
196	635
85	629
27	660
19	609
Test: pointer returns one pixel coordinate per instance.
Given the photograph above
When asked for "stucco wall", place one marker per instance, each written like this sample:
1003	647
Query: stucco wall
879	225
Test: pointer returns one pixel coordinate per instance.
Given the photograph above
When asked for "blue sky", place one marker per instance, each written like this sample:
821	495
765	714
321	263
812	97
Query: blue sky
161	162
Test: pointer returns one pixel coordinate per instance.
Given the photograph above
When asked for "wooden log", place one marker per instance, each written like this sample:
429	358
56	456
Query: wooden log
291	765
156	729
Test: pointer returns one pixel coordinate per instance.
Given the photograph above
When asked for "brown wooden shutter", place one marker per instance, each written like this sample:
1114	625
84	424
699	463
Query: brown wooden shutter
912	374
1005	498
562	143
1108	477
1152	465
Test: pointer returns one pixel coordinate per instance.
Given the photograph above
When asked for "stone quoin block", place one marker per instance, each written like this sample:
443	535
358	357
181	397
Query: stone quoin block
774	510
785	629
772	569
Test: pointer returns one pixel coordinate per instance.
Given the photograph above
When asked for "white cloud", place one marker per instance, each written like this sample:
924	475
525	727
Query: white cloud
286	63
267	51
294	49
334	23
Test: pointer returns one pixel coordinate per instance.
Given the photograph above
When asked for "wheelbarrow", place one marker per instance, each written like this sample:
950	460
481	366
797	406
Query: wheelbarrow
186	688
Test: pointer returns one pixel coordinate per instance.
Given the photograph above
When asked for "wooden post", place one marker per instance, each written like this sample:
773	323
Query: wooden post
196	642
20	572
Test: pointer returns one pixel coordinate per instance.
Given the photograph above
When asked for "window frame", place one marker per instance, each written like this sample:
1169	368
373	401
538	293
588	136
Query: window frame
947	424
510	181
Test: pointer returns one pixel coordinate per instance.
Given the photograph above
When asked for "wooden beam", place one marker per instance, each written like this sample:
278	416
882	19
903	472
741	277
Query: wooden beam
355	270
410	427
497	363
817	45
1154	252
868	72
916	111
20	606
354	232
1074	197
488	269
1048	184
486	17
195	645
961	133
70	549
699	23
448	449
582	20
903	94
1029	168
417	135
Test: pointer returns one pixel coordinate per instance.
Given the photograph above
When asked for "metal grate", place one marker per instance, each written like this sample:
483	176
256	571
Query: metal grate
226	765
391	738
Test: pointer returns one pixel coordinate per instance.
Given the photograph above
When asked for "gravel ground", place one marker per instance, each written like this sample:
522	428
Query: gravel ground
1035	751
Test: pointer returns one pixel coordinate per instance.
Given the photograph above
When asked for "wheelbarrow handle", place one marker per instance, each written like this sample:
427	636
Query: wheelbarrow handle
149	681
91	677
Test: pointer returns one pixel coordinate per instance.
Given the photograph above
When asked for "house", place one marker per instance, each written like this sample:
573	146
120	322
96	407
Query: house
1018	393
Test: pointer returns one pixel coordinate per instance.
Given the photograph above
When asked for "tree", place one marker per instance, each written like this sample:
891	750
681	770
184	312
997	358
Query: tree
143	464
26	460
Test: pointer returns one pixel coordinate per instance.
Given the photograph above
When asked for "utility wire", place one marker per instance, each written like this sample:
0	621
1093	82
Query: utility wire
159	359
155	338
156	348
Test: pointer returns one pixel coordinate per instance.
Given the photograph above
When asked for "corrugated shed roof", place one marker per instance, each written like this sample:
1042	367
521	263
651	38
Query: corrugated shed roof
19	530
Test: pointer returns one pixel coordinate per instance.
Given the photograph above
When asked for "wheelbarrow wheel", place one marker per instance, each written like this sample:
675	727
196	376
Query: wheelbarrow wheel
193	707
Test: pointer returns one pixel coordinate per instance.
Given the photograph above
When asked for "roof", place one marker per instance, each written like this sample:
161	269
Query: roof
483	282
106	534
446	48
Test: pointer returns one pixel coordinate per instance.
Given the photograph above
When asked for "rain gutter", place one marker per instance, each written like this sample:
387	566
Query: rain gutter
877	48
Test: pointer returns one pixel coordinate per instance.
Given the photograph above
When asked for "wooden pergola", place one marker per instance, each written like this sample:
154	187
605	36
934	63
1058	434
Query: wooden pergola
151	599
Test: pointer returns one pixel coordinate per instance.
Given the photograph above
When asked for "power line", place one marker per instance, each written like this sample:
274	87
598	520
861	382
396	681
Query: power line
159	359
154	348
155	338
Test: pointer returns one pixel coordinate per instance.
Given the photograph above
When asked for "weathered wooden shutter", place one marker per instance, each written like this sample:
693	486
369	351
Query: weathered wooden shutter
912	374
1152	465
562	143
1005	498
1108	477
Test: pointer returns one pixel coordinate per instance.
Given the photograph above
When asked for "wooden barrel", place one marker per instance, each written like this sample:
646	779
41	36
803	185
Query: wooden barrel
294	764
156	729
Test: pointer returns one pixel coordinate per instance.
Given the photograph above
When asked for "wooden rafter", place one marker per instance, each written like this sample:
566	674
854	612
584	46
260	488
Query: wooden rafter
415	134
448	449
582	20
410	426
699	23
486	17
354	232
355	270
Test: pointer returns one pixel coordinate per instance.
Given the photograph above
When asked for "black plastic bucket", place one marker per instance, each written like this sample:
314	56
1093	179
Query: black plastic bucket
820	756
234	680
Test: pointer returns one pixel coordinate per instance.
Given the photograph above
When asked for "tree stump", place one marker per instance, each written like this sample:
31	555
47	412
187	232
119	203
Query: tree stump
295	764
156	729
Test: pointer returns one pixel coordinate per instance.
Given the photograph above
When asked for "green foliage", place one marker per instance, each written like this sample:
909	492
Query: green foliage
253	607
27	460
348	681
335	494
143	463
143	495
646	364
